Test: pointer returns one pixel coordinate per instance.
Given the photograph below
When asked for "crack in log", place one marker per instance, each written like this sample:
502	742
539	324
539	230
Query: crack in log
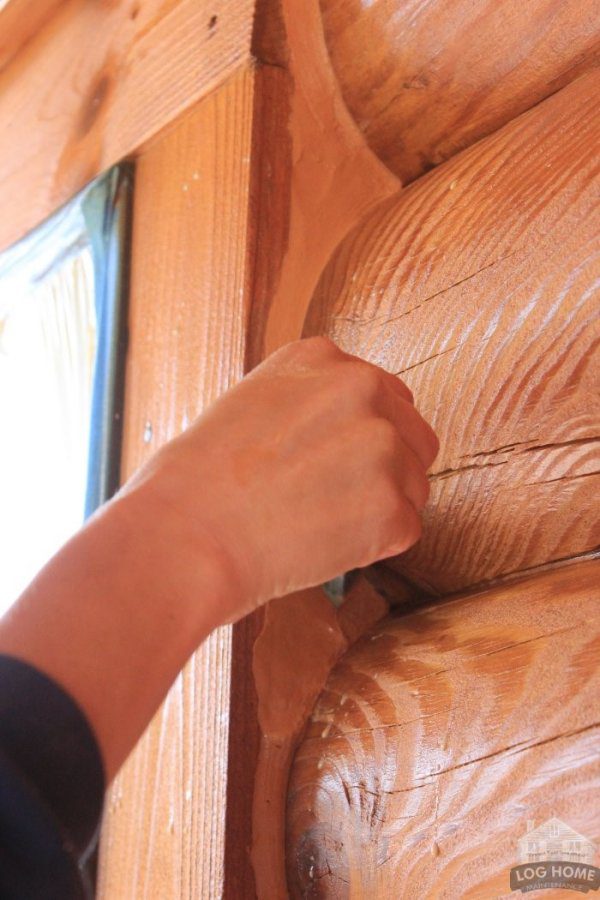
429	358
341	735
554	445
346	792
503	649
365	790
539	637
427	779
562	478
389	320
445	290
513	749
451	472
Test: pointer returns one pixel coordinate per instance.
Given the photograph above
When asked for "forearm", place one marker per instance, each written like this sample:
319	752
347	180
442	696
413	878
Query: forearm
113	617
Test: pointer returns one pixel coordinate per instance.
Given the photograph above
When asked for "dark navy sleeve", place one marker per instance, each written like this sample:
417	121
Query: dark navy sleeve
51	788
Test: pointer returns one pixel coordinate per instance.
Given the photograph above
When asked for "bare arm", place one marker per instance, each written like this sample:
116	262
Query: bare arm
312	465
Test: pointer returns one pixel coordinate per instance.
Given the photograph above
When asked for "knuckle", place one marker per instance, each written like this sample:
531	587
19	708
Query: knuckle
399	509
421	490
409	394
306	349
319	345
391	501
409	531
365	381
402	527
294	349
434	445
384	438
414	530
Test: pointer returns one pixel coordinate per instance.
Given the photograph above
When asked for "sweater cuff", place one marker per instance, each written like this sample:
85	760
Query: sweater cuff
46	738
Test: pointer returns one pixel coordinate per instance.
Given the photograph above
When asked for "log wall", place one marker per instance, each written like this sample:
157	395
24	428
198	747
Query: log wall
440	734
425	80
478	285
445	730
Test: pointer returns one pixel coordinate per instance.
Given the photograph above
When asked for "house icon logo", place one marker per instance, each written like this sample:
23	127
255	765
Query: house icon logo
554	855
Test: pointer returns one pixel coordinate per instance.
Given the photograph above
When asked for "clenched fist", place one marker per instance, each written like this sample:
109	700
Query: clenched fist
312	465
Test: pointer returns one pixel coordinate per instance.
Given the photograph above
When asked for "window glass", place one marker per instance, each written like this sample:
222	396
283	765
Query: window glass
62	343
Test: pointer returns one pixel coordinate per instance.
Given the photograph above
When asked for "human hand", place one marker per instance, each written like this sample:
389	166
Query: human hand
314	464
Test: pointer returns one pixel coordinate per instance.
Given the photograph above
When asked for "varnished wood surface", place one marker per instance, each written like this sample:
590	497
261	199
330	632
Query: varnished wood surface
20	20
301	639
424	80
321	172
164	831
479	286
95	81
440	734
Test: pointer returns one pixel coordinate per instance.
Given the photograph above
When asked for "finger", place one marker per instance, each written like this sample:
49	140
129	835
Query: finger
411	474
392	382
413	428
313	351
405	530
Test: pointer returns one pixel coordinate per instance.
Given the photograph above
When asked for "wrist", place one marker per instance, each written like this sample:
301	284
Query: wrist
177	559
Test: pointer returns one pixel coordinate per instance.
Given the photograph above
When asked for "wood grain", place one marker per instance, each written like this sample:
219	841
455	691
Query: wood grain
164	830
328	173
20	20
424	80
479	285
301	639
439	734
95	82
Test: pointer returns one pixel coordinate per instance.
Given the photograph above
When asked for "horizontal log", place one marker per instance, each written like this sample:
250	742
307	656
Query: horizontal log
479	285
440	734
424	80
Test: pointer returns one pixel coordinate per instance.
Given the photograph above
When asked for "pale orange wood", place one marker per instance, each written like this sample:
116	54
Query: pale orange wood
20	20
331	177
302	637
479	286
426	79
316	179
163	833
440	734
95	82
